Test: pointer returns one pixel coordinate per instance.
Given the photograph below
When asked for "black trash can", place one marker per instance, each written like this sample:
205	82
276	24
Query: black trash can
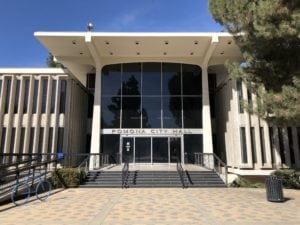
274	189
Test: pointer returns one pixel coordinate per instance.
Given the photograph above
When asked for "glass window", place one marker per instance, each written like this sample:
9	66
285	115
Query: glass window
22	137
53	94
110	144
110	112
17	95
8	88
63	95
60	140
243	145
271	137
253	144
50	140
262	145
90	81
12	140
90	105
171	79
41	140
191	80
192	143
172	112
35	96
26	95
151	79
143	150
160	150
111	80
151	112
192	112
3	140
31	141
131	112
291	145
240	96
44	95
131	79
281	145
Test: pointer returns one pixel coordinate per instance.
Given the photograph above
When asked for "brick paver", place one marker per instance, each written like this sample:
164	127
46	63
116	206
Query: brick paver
156	206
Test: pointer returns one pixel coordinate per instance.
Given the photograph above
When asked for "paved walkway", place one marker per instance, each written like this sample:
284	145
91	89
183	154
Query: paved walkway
156	206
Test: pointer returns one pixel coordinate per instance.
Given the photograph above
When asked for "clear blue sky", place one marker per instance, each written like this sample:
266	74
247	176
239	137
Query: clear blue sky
19	19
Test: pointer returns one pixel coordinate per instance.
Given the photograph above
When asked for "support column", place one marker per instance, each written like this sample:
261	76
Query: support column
96	121
206	120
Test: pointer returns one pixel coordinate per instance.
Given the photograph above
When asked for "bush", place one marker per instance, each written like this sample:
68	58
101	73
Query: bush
290	178
247	183
69	177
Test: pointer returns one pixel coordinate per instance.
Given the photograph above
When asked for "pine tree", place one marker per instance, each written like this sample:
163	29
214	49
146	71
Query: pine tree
268	34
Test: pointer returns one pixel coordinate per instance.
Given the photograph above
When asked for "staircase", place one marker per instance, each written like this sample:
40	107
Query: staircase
138	178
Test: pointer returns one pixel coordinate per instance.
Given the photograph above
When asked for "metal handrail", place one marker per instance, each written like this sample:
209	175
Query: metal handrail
180	172
212	161
84	167
125	172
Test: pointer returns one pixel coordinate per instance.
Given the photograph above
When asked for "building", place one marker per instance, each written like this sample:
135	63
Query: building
144	97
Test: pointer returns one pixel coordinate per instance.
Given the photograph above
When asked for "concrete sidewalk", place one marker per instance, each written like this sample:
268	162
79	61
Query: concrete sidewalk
156	206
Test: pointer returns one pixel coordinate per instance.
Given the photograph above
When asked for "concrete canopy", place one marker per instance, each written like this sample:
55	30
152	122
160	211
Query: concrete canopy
81	52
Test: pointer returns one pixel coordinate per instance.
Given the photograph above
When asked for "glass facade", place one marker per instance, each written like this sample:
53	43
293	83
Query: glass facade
154	96
151	95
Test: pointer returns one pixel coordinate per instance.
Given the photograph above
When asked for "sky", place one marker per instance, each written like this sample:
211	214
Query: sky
19	19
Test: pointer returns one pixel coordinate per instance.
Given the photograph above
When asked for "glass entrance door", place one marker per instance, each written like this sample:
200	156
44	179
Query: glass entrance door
151	149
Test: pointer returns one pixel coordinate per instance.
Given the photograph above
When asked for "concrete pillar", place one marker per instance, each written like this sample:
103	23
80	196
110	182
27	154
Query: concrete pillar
96	121
206	120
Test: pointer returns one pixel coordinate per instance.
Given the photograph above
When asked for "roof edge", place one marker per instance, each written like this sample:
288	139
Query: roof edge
33	71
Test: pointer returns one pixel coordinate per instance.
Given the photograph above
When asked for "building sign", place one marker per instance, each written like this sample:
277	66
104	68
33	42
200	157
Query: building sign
152	132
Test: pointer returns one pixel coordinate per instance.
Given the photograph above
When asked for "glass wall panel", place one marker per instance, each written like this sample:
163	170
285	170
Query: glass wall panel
12	140
41	140
160	150
172	112
63	95
192	112
262	145
243	145
2	144
128	147
192	143
253	144
131	112
110	145
131	79
31	140
0	87
151	79
22	139
171	79
191	80
175	150
151	112
60	139
143	150
110	112
111	80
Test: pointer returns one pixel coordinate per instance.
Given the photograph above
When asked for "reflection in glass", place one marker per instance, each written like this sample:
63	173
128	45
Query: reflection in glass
175	150
151	78
191	80
143	150
172	112
128	146
171	81
160	150
192	112
151	112
131	79
110	112
131	112
111	80
192	144
110	146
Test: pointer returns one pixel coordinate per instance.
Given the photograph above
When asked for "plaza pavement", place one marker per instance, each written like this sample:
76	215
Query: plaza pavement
155	206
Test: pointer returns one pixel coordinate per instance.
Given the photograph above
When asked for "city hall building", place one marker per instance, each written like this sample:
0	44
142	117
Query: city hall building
149	98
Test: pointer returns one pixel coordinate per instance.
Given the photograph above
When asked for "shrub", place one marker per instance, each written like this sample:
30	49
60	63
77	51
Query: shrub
244	182
69	177
290	178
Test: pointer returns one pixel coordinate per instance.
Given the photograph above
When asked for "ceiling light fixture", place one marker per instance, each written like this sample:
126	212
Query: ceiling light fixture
229	42
111	53
74	42
165	53
196	42
107	42
166	42
137	43
138	53
81	53
192	53
222	53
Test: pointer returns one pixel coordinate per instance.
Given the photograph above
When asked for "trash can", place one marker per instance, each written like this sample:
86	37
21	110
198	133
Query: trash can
274	189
